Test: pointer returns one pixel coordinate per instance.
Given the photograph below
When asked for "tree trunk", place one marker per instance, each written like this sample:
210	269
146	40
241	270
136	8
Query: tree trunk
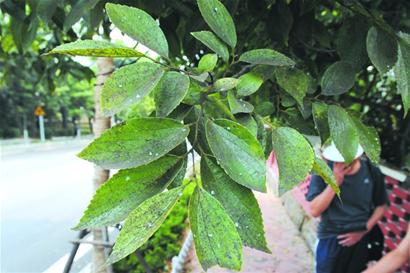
101	123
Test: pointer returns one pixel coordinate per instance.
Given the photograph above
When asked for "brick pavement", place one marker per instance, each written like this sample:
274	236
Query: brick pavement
290	253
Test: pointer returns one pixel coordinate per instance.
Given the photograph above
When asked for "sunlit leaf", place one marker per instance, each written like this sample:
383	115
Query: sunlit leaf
248	84
139	25
135	142
128	85
95	49
207	63
225	84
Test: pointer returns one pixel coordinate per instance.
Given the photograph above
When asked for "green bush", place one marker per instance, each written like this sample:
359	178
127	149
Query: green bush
164	244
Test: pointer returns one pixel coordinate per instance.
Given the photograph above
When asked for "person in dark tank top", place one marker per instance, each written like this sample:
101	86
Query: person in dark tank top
345	223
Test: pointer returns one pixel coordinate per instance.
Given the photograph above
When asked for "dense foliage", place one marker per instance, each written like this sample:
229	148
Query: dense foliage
233	106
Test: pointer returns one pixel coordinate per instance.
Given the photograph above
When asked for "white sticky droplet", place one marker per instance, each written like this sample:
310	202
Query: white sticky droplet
209	235
228	128
180	194
212	192
149	225
236	224
120	85
150	153
215	9
127	178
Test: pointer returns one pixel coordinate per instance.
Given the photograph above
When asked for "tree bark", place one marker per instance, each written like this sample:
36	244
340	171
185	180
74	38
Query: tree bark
101	123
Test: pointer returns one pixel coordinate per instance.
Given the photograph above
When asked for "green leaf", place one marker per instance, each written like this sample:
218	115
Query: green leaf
194	93
402	70
95	49
321	168
143	222
319	112
128	85
216	240
238	201
46	9
337	79
225	84
238	152
139	25
351	42
248	84
382	49
265	108
249	122
78	10
238	105
294	155
294	81
266	56
210	40
343	132
170	91
369	139
207	63
123	192
135	142
219	20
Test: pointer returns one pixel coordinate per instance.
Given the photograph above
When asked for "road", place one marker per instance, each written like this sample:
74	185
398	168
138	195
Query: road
43	190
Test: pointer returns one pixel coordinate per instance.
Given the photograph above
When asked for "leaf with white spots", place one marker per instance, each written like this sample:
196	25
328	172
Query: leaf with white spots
266	56
294	156
343	132
238	152
142	223
219	20
139	25
95	49
238	201
170	91
128	85
321	168
216	240
369	139
238	105
123	192
135	142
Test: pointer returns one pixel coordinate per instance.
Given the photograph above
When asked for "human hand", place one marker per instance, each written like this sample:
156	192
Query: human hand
339	171
351	238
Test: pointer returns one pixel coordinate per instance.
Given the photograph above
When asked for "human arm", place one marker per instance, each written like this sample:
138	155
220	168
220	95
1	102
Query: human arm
395	259
322	201
351	238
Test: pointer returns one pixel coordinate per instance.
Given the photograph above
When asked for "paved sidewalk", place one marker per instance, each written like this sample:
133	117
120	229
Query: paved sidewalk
290	253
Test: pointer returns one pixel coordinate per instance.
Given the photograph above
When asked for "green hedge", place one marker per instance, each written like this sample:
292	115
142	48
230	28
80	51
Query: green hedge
163	245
